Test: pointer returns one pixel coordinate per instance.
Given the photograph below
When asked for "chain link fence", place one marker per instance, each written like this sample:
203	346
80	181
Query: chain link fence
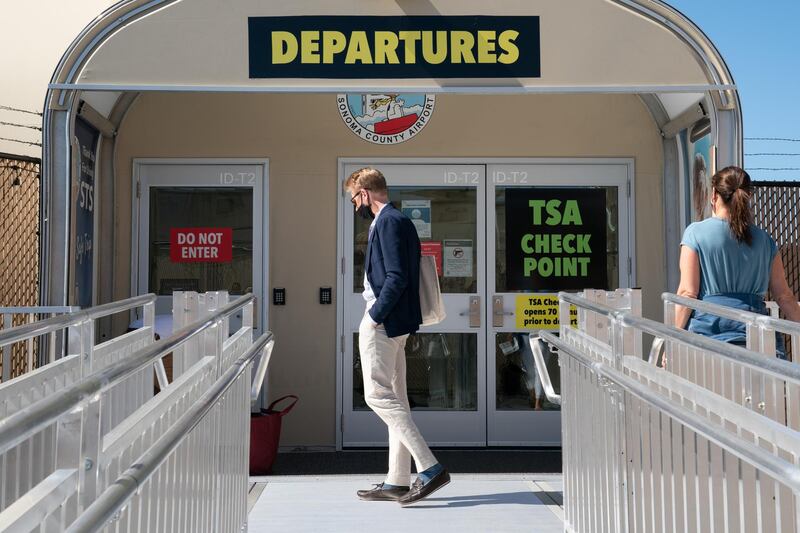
19	245
777	210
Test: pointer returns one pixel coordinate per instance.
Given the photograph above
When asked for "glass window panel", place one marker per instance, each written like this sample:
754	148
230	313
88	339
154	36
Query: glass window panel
519	387
612	240
441	372
453	217
185	207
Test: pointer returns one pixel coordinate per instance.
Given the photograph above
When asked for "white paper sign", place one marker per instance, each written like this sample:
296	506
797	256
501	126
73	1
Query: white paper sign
419	211
458	259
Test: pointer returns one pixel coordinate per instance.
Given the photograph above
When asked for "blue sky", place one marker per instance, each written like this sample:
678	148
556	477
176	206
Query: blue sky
760	42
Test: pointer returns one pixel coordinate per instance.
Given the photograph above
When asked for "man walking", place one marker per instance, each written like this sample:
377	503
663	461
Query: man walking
391	290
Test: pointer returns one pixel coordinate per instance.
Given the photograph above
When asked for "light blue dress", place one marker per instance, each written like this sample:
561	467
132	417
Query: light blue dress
733	274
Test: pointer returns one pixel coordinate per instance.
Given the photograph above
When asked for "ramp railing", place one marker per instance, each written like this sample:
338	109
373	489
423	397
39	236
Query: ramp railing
32	352
775	393
31	460
761	329
194	442
646	449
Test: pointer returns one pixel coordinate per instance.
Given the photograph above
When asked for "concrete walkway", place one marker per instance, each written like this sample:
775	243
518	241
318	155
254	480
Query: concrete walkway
494	503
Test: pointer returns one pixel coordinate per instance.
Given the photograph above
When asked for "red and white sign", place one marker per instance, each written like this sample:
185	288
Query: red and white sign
434	249
201	245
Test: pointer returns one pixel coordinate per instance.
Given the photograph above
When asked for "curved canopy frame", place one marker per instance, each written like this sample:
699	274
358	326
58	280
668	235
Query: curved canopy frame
90	64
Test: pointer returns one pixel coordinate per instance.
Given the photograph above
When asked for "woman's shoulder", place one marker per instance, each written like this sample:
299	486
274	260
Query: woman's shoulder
760	234
702	226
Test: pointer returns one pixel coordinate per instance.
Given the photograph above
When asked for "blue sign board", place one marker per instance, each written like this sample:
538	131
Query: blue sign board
88	138
400	47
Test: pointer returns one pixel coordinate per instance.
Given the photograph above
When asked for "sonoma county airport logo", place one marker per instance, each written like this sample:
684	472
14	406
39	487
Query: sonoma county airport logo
390	118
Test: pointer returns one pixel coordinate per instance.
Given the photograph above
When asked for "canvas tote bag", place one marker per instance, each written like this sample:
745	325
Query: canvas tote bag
430	296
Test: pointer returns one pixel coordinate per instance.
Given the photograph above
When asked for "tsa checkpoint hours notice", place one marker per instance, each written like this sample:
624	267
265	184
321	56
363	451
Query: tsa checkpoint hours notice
201	245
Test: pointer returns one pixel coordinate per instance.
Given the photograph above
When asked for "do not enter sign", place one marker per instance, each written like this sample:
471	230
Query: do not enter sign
200	245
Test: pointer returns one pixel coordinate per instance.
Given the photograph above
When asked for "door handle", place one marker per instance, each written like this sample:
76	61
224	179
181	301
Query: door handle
498	313
474	312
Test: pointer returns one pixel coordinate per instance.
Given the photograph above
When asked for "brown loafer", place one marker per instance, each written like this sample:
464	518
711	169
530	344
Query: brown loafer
379	494
419	491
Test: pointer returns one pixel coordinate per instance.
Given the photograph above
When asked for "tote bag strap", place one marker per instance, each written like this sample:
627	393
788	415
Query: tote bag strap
287	409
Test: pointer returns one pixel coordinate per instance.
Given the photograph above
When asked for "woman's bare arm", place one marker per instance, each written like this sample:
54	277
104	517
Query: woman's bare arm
689	285
781	292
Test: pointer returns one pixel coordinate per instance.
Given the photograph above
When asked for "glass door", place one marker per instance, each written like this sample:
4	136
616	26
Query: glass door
551	227
445	364
200	228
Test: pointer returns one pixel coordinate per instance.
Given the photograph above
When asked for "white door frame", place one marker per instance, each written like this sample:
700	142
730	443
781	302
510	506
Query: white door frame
260	230
629	264
617	173
460	427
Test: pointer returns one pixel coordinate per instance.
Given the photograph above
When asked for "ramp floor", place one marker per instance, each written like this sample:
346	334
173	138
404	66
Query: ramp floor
494	503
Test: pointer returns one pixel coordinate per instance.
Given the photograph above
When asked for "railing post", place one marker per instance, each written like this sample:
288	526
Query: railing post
81	340
29	344
753	336
88	464
619	461
149	321
767	341
248	320
8	321
185	310
636	309
213	301
669	313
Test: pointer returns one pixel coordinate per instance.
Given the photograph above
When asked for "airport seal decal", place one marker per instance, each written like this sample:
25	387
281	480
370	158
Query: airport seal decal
389	118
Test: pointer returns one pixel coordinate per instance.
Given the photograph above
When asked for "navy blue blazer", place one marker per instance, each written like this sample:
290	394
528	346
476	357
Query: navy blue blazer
392	262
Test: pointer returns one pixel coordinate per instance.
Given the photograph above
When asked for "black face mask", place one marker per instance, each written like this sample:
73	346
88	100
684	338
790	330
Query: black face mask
365	212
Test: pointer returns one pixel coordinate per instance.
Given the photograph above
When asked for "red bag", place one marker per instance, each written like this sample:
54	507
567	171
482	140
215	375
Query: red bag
265	433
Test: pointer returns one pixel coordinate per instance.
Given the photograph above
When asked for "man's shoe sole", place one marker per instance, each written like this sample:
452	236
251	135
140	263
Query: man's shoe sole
434	489
379	499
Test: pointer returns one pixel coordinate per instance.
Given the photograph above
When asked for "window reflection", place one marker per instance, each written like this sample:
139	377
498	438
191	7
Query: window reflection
519	385
187	207
441	372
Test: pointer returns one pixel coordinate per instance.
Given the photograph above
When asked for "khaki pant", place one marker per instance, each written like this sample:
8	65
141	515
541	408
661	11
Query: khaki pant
383	364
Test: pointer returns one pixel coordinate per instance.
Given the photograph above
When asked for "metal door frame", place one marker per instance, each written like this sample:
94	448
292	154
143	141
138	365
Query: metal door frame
261	278
487	161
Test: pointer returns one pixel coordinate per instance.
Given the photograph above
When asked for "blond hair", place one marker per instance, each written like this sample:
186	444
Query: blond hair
367	178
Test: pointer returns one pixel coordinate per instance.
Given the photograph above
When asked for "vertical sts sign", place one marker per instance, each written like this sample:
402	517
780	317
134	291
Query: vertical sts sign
87	137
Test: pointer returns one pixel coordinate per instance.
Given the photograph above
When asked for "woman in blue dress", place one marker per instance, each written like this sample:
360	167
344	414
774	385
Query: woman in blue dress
729	261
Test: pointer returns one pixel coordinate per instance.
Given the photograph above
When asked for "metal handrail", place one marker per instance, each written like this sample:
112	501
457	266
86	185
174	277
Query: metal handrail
258	380
774	466
590	305
28	421
114	498
49	325
739	315
777	367
40	309
541	368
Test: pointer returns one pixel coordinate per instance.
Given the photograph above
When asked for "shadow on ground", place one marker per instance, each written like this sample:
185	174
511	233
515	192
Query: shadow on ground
511	461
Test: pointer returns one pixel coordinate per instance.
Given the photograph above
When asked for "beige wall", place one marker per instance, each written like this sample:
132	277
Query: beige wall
302	135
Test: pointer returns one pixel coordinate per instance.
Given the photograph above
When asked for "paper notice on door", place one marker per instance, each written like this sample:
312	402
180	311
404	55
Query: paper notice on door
419	211
433	249
458	259
540	311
